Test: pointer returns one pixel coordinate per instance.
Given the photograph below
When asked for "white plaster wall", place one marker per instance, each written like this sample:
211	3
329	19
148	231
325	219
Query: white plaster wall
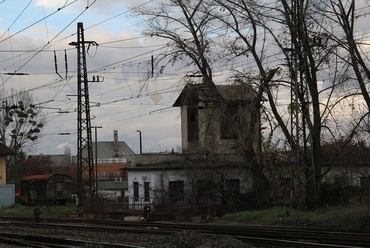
159	180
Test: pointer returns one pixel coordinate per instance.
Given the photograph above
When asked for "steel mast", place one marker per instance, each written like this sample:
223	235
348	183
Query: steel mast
85	165
303	168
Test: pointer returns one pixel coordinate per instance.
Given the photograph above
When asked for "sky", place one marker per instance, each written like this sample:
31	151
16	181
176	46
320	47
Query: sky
31	32
36	33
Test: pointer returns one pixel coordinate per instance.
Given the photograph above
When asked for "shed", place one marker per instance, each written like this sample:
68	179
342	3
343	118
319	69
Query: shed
48	188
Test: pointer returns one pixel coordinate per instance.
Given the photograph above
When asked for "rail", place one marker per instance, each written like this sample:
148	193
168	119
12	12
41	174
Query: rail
305	237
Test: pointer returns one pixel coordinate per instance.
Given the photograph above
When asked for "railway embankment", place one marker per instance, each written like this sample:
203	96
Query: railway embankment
350	217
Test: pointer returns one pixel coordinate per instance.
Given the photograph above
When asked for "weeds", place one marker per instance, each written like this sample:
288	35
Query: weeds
27	211
355	217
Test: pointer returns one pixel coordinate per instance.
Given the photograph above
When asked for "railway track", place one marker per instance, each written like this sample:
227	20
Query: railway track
256	235
25	240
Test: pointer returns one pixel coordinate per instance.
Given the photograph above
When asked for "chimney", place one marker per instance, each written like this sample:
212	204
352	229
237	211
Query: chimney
115	144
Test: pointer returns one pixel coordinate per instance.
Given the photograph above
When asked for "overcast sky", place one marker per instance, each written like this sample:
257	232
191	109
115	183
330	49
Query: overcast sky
30	33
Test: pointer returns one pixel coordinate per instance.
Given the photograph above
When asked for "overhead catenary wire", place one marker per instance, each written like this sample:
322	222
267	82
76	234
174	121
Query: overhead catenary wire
102	70
27	61
40	20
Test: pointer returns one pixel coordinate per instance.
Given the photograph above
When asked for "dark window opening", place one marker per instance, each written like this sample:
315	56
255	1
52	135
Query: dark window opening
176	190
229	121
146	191
202	188
193	125
233	187
136	191
365	182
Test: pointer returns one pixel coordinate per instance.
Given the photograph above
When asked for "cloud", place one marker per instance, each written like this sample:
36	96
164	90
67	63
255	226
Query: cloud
121	58
64	145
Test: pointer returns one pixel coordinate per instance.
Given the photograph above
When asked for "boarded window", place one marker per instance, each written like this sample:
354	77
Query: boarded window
111	174
176	190
136	191
146	191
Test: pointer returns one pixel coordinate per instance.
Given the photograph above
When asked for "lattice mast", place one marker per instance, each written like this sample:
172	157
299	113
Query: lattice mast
301	146
85	166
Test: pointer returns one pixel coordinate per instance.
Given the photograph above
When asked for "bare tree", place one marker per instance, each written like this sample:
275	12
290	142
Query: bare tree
351	52
187	26
193	29
281	48
297	33
346	15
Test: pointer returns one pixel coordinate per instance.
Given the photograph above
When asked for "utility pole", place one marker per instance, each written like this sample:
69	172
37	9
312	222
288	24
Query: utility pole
85	165
301	158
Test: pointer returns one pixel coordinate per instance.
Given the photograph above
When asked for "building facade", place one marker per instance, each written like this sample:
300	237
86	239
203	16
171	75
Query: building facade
111	162
210	170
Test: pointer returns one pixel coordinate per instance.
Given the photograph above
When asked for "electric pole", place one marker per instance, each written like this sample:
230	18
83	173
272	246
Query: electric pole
85	165
303	170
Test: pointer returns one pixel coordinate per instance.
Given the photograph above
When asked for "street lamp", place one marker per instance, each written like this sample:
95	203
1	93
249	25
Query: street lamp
96	156
141	144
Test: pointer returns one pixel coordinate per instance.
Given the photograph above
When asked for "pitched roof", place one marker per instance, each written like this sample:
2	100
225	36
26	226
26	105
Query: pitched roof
241	92
107	151
36	177
193	93
41	177
4	151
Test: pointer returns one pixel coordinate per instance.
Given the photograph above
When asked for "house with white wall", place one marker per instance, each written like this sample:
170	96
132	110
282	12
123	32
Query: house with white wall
210	168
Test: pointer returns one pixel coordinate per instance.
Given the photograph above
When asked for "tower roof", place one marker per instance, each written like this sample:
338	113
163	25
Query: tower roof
194	93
